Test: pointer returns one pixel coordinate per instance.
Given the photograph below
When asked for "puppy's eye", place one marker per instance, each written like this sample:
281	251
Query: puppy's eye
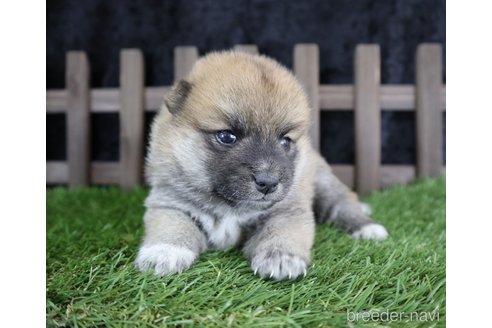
225	137
285	142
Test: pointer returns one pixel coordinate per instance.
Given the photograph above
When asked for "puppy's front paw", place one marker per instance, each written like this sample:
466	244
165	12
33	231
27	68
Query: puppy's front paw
164	259
372	231
278	265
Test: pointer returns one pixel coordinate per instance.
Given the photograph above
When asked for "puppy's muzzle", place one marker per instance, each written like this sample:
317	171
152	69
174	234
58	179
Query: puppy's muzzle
266	183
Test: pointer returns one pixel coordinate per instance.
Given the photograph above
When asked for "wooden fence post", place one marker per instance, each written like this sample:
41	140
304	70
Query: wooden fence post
247	48
184	59
367	118
78	118
429	110
131	117
306	68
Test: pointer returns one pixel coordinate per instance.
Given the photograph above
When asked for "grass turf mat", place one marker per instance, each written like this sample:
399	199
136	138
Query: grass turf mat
93	236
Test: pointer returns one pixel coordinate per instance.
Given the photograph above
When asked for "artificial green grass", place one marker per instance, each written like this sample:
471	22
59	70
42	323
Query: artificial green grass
93	236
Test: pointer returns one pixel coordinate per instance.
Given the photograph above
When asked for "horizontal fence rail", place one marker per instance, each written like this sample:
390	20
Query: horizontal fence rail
108	173
331	98
366	97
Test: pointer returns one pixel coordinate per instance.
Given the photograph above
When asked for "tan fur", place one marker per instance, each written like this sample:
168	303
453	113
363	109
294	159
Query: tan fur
264	95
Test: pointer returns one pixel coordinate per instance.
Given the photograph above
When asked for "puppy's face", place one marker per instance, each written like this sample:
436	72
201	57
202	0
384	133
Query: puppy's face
247	119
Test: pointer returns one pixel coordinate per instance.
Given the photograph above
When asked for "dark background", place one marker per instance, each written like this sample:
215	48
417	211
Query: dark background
103	28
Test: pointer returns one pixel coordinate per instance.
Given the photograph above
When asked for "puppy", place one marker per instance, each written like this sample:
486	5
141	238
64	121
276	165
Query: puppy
230	164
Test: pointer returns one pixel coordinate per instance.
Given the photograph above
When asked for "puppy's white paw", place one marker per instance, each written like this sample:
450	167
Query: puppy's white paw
278	265
366	209
372	231
164	259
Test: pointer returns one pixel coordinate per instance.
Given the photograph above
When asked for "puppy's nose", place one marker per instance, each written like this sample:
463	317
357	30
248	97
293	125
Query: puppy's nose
266	183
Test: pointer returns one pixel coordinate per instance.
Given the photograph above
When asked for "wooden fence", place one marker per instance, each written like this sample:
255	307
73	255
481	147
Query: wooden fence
367	97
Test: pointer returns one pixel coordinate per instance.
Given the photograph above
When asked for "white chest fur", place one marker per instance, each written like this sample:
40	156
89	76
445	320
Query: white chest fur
226	233
223	232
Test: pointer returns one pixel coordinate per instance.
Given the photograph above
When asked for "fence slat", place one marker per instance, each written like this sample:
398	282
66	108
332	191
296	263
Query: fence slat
429	117
184	59
131	117
367	118
306	68
78	118
247	48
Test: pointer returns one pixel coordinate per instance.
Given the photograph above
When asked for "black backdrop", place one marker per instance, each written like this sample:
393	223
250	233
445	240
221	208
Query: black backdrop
102	28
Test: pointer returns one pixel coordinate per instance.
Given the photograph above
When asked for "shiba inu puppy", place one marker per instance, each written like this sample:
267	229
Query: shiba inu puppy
230	164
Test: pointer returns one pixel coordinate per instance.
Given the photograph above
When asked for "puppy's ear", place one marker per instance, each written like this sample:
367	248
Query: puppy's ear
175	99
